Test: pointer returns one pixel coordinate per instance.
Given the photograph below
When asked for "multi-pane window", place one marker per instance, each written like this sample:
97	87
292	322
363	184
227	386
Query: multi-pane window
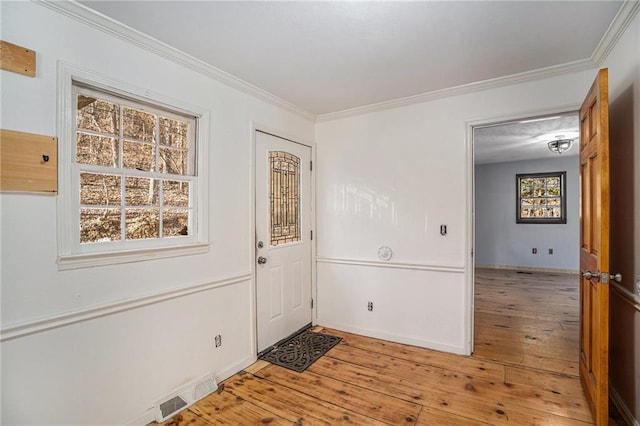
135	166
540	198
284	188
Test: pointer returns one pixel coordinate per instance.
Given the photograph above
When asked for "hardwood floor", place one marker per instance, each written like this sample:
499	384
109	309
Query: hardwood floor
528	319
523	371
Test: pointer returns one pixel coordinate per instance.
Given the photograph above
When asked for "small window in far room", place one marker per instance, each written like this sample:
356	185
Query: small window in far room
540	198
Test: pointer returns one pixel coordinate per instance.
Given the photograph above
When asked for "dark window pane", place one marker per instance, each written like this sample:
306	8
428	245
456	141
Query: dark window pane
96	150
141	191
142	223
173	133
526	191
554	181
175	222
97	115
138	156
100	225
100	190
173	161
553	192
139	125
175	193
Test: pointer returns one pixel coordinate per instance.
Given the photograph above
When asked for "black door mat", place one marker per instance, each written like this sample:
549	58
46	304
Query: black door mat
300	351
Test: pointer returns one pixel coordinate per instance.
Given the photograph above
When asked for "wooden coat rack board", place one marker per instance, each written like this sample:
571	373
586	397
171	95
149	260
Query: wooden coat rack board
28	162
17	59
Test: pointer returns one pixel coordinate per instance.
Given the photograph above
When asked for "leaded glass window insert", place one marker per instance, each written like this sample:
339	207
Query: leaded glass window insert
284	197
540	198
136	164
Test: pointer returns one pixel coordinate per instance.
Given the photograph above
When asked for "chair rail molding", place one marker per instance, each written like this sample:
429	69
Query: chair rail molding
13	331
393	265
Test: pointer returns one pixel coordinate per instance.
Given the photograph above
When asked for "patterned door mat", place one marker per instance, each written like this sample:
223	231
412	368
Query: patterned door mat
300	351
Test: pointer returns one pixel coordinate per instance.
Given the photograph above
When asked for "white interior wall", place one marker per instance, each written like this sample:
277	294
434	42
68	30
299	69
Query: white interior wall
392	177
388	177
500	241
156	319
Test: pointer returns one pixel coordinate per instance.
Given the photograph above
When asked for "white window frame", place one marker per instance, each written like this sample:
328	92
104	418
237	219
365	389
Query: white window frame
71	253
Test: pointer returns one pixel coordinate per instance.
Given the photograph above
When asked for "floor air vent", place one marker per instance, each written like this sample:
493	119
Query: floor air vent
171	406
185	397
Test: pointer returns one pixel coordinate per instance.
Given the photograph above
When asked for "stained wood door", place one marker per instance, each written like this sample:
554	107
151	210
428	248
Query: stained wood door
283	231
594	247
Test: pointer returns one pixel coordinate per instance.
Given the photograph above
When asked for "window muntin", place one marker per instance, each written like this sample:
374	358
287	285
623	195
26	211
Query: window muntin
284	197
134	168
540	198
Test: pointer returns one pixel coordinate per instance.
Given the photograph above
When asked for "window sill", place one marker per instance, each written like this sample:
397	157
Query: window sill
78	261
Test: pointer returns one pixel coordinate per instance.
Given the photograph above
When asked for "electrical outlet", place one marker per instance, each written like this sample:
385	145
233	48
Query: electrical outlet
534	251
218	340
370	306
550	251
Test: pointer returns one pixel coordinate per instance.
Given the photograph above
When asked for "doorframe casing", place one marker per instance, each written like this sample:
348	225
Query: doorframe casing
259	127
470	203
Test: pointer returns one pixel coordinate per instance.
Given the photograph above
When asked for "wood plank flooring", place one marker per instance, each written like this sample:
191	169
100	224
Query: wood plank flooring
523	371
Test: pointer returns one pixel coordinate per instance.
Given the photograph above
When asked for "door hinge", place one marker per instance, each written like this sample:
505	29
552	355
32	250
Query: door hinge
312	235
311	303
311	165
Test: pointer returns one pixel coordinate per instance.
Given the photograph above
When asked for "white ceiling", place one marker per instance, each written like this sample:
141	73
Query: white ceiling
330	56
524	140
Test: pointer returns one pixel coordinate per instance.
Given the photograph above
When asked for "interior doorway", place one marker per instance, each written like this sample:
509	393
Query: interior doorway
526	235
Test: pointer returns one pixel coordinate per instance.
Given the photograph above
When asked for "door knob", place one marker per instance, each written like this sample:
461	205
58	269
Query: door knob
262	260
617	277
588	274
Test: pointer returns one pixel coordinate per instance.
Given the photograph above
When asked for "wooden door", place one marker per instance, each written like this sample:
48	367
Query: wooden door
594	247
283	231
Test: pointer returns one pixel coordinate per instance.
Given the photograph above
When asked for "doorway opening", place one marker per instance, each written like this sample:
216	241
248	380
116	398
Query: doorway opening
526	239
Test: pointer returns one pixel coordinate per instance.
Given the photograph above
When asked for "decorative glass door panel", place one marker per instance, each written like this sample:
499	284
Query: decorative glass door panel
284	197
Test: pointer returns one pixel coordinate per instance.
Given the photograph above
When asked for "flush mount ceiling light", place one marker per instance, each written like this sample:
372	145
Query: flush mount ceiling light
560	145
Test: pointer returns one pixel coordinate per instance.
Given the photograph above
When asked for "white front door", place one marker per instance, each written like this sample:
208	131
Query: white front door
283	238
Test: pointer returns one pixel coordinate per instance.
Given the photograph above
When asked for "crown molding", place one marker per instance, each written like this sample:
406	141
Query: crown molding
621	21
83	14
570	67
114	28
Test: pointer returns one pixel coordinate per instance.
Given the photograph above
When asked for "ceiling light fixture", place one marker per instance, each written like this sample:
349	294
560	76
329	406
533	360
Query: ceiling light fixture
559	145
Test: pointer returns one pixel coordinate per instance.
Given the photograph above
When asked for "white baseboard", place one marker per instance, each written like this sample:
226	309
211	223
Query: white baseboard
622	407
377	334
528	268
149	415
